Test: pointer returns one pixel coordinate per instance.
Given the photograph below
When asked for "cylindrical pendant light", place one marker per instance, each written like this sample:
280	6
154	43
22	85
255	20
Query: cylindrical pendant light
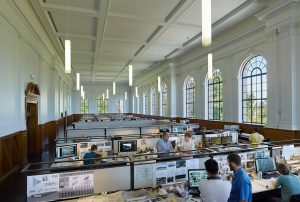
81	91
68	56
206	22
107	95
83	95
114	88
103	96
136	92
209	67
125	95
158	84
130	75
77	81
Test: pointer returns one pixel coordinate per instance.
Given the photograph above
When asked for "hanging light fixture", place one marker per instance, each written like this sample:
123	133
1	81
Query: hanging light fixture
77	81
130	75
67	56
81	90
209	66
103	96
158	84
136	92
206	22
83	95
125	95
114	88
107	95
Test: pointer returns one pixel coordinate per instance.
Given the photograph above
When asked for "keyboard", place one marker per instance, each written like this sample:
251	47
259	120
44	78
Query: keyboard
270	175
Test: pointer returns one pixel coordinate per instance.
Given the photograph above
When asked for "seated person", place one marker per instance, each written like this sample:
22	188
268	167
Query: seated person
214	189
187	143
164	145
290	183
255	137
91	155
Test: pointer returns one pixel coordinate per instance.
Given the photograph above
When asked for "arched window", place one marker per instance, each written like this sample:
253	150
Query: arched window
189	90
84	106
153	101
120	106
102	104
133	103
164	99
145	102
138	104
254	90
215	96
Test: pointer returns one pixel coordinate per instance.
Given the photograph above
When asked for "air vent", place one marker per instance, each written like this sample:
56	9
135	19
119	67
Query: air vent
172	13
154	33
197	36
171	53
139	50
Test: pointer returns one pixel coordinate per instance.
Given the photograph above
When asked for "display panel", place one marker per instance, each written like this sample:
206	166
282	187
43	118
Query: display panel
195	175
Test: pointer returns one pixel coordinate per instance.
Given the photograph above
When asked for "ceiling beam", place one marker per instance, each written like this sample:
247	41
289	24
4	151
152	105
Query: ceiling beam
80	36
101	25
135	17
72	10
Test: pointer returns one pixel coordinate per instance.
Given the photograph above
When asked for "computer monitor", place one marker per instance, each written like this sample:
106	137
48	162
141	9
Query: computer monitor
194	176
265	164
226	139
65	151
216	140
127	146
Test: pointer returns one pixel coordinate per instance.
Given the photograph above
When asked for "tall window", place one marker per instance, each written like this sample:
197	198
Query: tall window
84	106
102	104
215	96
145	101
138	104
189	89
153	101
133	104
254	90
120	106
164	99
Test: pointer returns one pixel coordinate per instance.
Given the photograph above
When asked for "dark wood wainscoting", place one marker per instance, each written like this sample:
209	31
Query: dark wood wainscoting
13	153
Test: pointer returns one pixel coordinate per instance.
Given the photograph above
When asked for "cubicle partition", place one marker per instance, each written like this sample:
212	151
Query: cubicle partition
126	172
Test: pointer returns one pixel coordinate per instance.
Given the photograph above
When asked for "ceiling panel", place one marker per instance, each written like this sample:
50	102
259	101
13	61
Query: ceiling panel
144	8
87	4
74	23
127	49
128	29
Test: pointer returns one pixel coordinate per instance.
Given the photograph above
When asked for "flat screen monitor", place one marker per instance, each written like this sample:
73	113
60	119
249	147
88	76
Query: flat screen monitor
265	164
128	146
226	139
195	175
65	151
216	140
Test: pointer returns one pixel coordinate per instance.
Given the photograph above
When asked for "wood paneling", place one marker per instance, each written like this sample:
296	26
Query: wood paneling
13	152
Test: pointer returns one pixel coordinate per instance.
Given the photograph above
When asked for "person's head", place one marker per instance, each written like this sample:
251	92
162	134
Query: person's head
187	136
166	136
94	148
283	169
212	167
234	161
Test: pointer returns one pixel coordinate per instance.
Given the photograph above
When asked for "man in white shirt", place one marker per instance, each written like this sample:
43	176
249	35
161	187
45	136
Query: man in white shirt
214	189
187	143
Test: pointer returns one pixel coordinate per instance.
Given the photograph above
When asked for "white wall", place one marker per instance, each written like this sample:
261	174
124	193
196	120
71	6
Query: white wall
27	56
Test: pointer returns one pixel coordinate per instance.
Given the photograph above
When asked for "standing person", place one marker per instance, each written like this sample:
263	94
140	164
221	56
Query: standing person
290	184
214	182
241	190
187	143
164	145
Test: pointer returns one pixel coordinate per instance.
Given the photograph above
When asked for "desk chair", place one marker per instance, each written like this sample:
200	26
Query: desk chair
295	198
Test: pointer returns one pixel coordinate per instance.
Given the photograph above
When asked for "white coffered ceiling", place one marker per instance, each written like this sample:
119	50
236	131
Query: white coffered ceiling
107	35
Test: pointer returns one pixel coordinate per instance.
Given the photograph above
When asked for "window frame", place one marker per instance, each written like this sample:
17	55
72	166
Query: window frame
188	91
211	102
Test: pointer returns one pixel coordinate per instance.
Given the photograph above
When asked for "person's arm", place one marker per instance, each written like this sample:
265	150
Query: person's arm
158	146
278	182
171	147
244	191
